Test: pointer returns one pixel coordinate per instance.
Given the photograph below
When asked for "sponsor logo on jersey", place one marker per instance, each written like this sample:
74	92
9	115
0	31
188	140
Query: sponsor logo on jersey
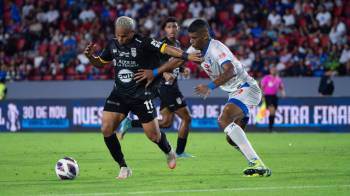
124	54
125	75
238	92
179	100
133	52
222	55
138	40
176	72
126	63
207	68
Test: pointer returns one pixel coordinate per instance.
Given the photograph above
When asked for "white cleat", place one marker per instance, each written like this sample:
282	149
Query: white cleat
124	173
171	159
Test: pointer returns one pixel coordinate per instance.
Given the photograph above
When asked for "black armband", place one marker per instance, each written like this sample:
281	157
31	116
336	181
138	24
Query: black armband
184	56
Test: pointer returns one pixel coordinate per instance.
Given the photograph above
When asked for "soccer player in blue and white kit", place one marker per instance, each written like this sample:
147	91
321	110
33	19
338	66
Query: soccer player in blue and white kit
226	72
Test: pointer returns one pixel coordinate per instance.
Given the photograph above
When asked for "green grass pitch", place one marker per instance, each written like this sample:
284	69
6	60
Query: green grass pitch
302	164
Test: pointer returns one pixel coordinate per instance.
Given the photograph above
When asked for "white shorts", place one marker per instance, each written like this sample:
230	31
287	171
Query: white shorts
246	96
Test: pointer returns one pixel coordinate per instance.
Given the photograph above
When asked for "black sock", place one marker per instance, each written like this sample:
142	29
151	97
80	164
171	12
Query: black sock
271	121
136	123
163	143
181	144
115	149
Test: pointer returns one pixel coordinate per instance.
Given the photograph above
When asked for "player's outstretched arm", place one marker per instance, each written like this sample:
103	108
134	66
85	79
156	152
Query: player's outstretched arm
95	60
181	56
228	73
178	53
149	75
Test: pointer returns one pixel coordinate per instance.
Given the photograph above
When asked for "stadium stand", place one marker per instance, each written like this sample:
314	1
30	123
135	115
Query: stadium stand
44	39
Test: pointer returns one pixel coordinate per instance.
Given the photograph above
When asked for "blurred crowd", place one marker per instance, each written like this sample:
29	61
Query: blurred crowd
45	39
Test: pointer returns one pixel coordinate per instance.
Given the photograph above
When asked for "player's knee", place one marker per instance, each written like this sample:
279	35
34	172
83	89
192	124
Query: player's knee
154	137
223	123
187	119
107	129
241	122
166	123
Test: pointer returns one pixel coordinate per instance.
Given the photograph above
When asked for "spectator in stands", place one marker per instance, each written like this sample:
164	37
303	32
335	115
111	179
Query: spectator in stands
324	19
274	18
288	18
195	8
30	29
338	32
344	60
238	7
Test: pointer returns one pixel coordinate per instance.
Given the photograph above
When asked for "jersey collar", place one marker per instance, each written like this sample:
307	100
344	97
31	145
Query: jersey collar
204	51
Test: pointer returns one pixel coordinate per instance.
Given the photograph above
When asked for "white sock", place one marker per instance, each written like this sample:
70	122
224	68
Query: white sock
238	136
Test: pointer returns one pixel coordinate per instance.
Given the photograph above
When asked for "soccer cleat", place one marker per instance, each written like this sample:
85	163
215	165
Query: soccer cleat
125	125
171	159
257	168
124	173
184	155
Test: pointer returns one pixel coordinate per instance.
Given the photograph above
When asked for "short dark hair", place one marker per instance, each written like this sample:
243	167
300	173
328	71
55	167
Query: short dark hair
197	25
169	19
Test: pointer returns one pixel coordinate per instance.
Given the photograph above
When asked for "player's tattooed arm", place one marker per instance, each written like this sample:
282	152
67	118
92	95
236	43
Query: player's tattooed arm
95	60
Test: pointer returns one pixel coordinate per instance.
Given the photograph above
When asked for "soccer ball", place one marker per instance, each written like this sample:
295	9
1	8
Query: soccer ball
67	168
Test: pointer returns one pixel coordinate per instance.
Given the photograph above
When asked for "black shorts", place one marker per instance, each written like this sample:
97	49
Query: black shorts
144	109
271	100
171	97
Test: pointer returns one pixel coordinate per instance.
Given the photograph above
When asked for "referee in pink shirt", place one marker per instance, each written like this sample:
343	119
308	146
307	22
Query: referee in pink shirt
270	85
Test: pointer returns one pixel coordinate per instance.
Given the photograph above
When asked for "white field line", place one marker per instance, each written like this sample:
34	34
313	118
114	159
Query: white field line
298	187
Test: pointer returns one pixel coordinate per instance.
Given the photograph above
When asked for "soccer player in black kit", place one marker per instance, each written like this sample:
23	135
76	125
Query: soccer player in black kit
171	99
129	53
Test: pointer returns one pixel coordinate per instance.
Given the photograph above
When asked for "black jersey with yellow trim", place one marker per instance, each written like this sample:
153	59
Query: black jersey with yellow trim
164	58
127	59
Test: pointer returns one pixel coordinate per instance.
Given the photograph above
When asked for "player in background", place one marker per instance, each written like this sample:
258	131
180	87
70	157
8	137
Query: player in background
226	72
130	52
171	99
270	85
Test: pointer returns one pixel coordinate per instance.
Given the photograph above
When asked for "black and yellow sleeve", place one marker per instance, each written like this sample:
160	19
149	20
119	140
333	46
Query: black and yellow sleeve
162	48
106	54
154	45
